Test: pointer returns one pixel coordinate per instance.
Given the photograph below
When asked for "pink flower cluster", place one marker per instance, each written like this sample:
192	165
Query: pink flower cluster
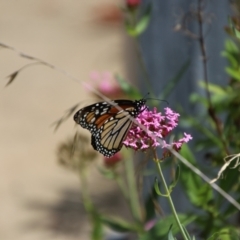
157	125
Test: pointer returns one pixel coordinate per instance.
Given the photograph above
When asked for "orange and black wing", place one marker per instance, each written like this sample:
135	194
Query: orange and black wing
108	123
108	140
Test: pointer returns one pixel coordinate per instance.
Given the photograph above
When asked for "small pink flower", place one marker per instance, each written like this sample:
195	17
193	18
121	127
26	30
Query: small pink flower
176	145
150	224
108	13
112	161
157	125
133	3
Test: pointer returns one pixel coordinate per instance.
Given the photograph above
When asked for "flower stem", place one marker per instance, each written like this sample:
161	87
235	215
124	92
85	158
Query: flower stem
87	203
140	56
168	196
132	188
122	187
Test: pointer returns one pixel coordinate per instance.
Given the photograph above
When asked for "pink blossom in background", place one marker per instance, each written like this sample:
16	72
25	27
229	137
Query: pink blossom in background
158	125
106	84
150	224
112	161
107	13
133	3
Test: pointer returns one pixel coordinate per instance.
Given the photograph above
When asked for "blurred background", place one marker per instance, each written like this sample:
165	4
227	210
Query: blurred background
39	198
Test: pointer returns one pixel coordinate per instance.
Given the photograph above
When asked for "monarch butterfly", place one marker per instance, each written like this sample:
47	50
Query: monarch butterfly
109	123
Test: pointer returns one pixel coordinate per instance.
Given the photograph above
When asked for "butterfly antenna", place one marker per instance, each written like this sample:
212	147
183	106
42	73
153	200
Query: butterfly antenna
146	95
160	100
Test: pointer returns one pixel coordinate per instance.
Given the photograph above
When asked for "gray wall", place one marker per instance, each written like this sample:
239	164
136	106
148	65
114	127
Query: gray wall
166	50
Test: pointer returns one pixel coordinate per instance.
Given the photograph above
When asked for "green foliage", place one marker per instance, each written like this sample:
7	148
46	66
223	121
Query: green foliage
199	193
157	188
136	27
150	203
232	54
97	227
219	135
170	234
225	234
175	180
166	225
131	91
119	225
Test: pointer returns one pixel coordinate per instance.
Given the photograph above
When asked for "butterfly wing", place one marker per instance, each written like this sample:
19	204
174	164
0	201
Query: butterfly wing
108	124
87	117
108	140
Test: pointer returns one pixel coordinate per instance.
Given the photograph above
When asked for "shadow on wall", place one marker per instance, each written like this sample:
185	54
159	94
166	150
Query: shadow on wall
68	217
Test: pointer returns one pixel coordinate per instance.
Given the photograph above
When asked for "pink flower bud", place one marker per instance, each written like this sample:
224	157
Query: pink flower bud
133	3
112	161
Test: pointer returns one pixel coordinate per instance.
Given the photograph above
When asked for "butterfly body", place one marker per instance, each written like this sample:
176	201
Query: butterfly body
109	123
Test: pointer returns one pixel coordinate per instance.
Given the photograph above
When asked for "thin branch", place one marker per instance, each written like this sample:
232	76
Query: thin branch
60	70
207	179
211	110
68	114
13	75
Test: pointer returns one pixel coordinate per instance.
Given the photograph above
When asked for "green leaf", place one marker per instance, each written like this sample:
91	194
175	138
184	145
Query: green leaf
196	98
220	95
231	58
97	229
230	210
144	21
234	73
174	182
234	28
186	232
213	88
203	144
130	29
157	188
119	225
149	204
170	234
204	130
230	46
198	192
141	25
230	180
107	173
237	33
232	54
225	234
161	228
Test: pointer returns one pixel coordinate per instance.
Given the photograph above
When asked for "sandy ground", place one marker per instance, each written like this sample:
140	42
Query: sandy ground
40	199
